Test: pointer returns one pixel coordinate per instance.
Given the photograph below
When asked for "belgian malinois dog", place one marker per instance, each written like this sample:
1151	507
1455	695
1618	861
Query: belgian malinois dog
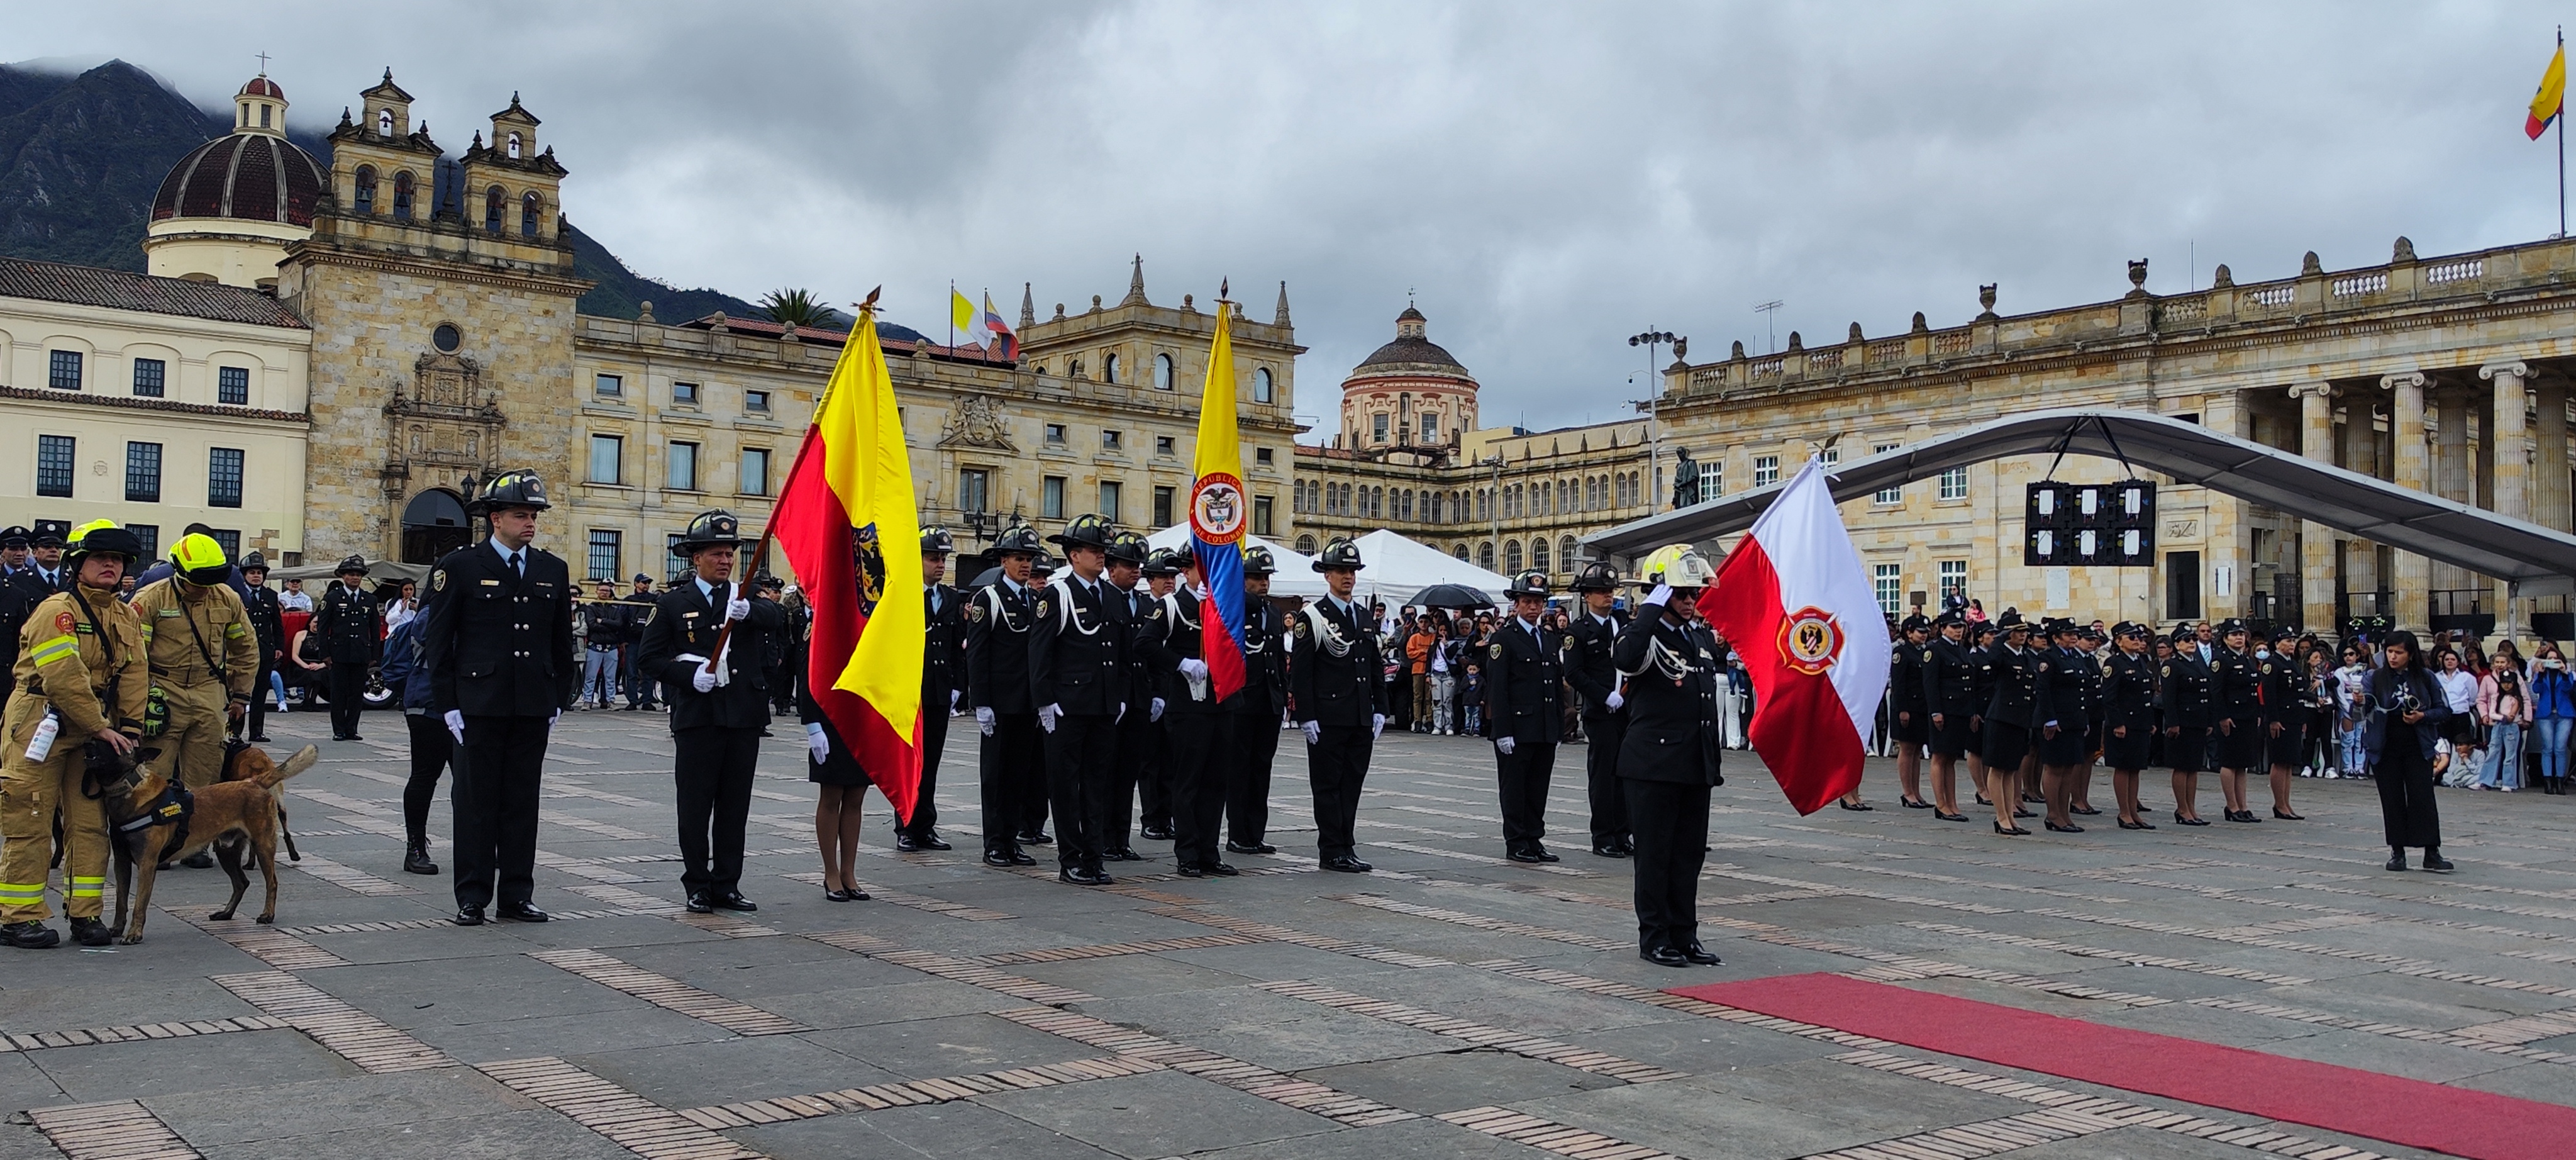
156	822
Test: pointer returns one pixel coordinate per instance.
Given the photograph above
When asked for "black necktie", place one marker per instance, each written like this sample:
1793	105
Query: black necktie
518	569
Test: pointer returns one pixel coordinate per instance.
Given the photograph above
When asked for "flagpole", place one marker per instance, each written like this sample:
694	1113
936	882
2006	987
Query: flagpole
2562	143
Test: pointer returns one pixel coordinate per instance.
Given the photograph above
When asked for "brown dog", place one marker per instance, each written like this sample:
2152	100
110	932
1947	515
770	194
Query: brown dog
228	816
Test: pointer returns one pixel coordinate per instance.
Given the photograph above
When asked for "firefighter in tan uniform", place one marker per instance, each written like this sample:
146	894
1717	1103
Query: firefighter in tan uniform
205	659
81	679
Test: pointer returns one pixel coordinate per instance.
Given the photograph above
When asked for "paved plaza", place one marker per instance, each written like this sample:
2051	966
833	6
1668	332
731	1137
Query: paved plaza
1451	1004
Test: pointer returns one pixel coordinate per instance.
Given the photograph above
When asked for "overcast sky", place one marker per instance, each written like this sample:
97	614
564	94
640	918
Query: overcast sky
1546	180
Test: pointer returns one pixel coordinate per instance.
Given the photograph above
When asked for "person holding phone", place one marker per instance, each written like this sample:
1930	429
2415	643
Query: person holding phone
2402	723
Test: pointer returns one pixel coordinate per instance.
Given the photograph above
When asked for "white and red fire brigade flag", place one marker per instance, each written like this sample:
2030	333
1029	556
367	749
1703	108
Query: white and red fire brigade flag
1797	606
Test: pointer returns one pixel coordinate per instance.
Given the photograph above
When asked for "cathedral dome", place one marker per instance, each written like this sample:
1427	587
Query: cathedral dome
249	176
1410	349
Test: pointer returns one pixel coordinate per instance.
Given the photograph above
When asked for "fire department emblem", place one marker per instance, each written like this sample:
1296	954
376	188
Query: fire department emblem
1217	508
1810	640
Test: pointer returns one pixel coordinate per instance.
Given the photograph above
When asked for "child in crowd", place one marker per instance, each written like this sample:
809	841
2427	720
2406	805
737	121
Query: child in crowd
1473	700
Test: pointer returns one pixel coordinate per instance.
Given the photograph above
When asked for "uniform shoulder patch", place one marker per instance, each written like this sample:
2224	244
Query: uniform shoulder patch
1927	656
1565	645
63	621
2166	671
1301	626
1498	650
974	612
650	612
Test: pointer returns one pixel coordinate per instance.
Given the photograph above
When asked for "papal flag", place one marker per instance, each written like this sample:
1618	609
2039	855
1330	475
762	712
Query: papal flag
847	523
1220	512
2551	100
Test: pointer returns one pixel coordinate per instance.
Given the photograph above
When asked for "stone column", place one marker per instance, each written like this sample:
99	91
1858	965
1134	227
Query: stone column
2361	456
2512	443
2316	541
2549	484
2410	470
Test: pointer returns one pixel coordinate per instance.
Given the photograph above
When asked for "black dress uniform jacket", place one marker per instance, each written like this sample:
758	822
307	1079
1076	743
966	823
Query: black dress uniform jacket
1330	687
1524	683
1256	721
997	649
497	644
1909	711
943	647
2236	694
1078	648
2128	701
1011	765
2067	682
1594	673
1950	692
1588	664
687	621
1199	726
1666	766
2289	700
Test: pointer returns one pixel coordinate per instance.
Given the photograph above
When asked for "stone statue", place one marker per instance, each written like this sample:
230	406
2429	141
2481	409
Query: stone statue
1685	479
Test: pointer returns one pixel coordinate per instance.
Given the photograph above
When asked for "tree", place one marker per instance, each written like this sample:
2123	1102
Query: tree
797	308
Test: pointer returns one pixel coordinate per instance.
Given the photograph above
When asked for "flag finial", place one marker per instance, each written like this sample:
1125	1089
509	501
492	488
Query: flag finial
870	305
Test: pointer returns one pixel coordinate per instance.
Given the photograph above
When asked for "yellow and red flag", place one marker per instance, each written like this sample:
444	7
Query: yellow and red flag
2551	100
848	525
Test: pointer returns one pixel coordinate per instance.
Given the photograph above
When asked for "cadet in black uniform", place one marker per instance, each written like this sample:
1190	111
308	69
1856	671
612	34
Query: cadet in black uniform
1257	711
1078	680
268	622
1012	765
1153	758
2289	703
1950	707
2236	690
2128	717
1334	672
496	637
943	685
2068	678
1909	709
1140	727
1525	714
350	623
2009	720
1982	640
2184	707
1590	637
1669	759
18	599
1172	639
719	704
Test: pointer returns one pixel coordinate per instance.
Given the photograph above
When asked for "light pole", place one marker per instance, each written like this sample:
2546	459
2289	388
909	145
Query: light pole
1654	397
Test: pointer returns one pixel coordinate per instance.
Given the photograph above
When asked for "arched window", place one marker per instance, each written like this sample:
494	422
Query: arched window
1109	368
529	209
402	196
1546	497
384	122
1511	557
1261	386
493	199
1305	545
1485	555
1565	553
1459	551
1485	507
1538	553
1162	372
514	145
362	191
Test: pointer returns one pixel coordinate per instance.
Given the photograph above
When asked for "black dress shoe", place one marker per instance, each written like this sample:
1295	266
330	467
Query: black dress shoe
1664	956
1346	864
2054	828
1936	813
1255	848
733	900
903	844
2244	816
1220	869
2397	860
261	739
1856	805
1192	871
1628	845
2126	824
1040	838
2287	816
2085	810
1523	856
2183	821
2016	831
1155	833
1122	854
930	840
1699	955
523	912
1611	851
468	916
2434	861
835	894
1913	803
1078	876
416	859
700	903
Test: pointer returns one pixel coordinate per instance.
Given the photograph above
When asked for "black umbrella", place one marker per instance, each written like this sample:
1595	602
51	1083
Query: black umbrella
1451	596
987	578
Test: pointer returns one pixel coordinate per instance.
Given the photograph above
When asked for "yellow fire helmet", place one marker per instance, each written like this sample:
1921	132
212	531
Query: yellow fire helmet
1679	565
199	559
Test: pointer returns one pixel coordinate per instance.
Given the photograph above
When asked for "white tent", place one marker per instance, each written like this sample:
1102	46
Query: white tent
1397	567
1296	576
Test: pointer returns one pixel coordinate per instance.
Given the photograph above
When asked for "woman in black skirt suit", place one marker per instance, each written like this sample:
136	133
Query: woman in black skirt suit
2128	717
832	767
2183	704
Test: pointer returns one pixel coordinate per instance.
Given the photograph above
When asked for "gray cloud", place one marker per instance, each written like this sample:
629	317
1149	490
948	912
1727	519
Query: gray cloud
1548	178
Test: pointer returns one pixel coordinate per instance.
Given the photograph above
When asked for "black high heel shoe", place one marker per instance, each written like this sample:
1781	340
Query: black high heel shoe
2126	824
2016	831
2183	821
2287	816
1936	813
1914	803
2054	828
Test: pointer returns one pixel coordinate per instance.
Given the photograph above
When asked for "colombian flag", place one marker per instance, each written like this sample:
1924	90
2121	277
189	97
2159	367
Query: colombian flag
846	520
2551	100
1219	513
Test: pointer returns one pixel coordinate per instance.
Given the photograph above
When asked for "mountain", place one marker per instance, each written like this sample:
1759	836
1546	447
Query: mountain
81	155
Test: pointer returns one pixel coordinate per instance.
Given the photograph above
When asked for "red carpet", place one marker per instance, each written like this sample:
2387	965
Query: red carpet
2341	1099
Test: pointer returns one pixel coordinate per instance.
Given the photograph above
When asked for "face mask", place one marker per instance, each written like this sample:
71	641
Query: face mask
2262	654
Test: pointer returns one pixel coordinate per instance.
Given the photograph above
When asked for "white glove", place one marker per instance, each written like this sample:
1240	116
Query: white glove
1504	745
1614	700
984	720
1314	732
1157	713
1120	715
1377	725
738	609
1047	716
953	695
456	725
550	721
702	679
1662	595
816	743
1194	668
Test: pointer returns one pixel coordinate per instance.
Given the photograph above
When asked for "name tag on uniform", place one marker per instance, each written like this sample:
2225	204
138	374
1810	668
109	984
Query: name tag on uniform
491	583
169	612
689	615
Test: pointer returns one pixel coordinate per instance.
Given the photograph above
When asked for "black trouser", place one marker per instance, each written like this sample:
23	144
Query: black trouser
1523	774
1670	822
1138	737
431	747
259	694
1335	767
1197	773
1153	776
1078	755
1012	769
934	741
348	696
1602	735
499	771
1254	748
2405	780
713	768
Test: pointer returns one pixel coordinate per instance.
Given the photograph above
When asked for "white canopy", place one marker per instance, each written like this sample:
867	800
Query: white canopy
1296	576
1397	567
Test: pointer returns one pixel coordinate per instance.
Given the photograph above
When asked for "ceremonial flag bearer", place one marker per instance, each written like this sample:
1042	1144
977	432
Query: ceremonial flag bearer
706	641
1669	760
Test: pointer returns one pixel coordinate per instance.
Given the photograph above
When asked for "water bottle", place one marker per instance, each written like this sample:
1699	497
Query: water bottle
43	742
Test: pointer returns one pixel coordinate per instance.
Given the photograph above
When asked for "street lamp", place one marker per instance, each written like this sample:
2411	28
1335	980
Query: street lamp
1654	396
